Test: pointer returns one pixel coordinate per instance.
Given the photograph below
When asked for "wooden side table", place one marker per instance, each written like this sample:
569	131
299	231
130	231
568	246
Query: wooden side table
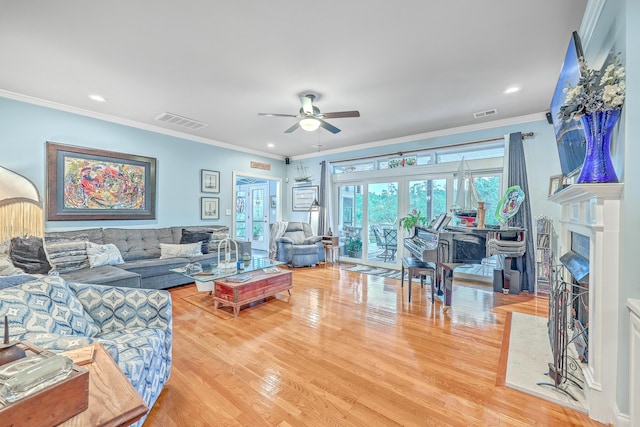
112	399
331	248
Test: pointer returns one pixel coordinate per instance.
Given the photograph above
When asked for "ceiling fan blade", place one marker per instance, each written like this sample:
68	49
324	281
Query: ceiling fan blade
276	115
307	105
341	114
329	127
292	128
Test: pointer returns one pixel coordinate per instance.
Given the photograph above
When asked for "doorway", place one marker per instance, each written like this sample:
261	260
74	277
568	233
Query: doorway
257	205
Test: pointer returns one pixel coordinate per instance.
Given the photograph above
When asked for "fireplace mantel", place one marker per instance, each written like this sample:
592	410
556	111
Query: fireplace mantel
582	192
593	210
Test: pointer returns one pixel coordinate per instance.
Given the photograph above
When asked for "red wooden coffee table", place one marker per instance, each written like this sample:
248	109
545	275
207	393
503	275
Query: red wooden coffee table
261	285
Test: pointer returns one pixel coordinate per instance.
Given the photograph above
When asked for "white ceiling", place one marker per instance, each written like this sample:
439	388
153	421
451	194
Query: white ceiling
408	66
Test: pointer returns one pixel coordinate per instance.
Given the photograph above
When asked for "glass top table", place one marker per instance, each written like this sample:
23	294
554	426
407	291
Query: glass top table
210	271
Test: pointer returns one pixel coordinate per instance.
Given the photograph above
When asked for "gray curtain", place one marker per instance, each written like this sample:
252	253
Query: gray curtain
518	176
322	199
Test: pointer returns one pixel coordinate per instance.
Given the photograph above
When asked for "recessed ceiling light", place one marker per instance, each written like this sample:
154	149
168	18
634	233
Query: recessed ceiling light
98	98
511	90
317	145
271	145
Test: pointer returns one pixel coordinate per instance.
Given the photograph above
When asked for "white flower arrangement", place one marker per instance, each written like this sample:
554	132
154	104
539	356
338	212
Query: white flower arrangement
595	91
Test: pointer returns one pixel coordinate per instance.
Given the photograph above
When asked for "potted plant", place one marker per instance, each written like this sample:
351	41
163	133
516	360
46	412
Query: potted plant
353	247
414	218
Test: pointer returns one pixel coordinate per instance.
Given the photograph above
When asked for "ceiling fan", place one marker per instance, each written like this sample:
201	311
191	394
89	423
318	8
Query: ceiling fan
311	118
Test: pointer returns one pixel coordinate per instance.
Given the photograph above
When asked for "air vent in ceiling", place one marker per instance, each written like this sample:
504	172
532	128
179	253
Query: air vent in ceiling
485	113
180	121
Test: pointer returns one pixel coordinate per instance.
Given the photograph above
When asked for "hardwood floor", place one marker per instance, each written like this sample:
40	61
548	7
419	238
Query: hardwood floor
347	349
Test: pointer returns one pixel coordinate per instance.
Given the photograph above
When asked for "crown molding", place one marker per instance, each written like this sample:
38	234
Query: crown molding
131	123
590	20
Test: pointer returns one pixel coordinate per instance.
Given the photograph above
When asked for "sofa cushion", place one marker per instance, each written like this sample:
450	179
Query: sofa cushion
6	265
18	279
136	348
140	243
105	275
297	237
143	358
153	267
67	253
94	234
177	251
56	342
45	305
202	237
218	232
100	255
27	253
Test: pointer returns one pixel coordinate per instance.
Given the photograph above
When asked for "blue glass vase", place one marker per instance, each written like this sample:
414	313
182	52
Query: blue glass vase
597	166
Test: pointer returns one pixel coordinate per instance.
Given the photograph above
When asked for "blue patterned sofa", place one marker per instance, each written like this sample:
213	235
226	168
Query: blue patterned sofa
134	325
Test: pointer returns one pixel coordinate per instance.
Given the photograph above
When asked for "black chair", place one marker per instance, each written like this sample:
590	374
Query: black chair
390	243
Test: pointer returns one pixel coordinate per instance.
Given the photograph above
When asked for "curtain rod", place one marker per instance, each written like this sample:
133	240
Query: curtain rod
400	153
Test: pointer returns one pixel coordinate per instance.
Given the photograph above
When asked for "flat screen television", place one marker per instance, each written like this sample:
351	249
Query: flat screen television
569	135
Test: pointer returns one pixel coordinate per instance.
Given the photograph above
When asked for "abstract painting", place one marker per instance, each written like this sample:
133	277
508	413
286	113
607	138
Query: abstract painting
90	184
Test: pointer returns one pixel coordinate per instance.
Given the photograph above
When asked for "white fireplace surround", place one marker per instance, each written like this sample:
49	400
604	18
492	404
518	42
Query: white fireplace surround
593	210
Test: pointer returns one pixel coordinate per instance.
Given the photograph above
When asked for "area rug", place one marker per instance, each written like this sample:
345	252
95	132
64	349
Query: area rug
528	358
475	272
201	300
376	271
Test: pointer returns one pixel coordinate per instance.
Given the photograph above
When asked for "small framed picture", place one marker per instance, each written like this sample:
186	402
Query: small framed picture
274	202
209	208
303	197
209	181
555	183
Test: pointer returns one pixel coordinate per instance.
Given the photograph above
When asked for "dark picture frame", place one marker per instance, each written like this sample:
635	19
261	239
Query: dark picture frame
91	184
209	181
209	208
303	197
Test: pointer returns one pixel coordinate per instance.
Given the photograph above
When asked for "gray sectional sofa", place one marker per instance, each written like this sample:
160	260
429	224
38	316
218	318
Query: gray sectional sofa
140	250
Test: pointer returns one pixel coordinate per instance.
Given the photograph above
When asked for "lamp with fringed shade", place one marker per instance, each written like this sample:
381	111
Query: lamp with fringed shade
20	207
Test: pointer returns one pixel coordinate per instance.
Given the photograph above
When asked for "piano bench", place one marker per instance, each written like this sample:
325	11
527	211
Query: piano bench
446	269
415	267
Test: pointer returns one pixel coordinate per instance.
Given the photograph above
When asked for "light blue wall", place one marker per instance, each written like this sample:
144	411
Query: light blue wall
540	152
24	129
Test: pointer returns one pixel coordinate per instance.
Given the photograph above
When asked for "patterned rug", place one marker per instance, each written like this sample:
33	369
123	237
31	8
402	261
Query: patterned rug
377	271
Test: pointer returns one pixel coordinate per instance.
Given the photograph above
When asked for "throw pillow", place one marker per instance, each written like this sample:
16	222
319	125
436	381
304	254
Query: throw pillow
177	251
103	255
45	305
67	254
197	236
6	266
215	240
27	253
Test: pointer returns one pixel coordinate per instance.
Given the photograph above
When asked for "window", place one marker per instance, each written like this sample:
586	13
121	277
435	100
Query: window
429	197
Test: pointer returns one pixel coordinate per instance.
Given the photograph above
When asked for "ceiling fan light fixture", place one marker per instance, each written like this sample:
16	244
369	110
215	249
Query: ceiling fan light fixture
309	124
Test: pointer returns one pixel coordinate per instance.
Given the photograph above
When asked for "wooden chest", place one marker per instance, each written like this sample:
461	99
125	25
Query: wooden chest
261	285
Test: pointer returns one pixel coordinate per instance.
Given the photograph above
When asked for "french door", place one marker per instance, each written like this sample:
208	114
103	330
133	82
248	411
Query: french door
257	205
369	214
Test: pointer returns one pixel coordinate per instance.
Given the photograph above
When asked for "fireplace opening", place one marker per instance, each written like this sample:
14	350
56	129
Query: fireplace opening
576	261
